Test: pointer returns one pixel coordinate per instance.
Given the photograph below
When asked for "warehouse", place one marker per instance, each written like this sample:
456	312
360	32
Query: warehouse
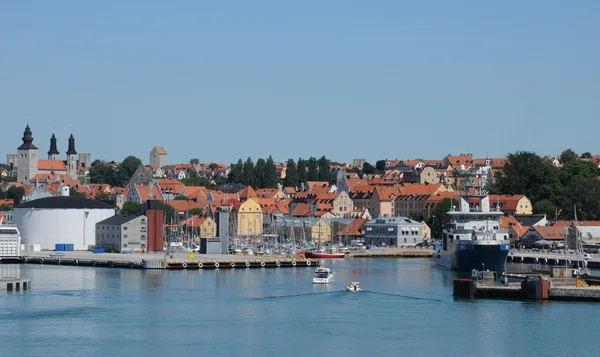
61	220
123	234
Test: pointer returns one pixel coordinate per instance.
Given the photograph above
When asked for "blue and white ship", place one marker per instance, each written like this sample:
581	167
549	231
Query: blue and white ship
473	239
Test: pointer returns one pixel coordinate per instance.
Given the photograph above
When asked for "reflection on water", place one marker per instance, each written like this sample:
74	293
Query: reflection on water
406	305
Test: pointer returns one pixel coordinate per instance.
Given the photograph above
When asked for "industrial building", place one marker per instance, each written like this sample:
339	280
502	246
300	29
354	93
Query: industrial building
61	220
393	231
10	241
123	234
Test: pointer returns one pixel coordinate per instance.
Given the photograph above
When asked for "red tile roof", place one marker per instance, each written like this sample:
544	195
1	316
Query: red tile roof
550	232
46	165
160	150
247	192
354	228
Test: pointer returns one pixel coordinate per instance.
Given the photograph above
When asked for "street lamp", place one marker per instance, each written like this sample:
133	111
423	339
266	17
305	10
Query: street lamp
433	228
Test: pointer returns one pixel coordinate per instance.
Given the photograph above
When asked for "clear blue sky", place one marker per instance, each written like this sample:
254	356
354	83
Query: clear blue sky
222	80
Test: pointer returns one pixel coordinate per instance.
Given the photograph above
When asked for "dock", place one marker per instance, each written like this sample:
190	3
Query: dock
392	253
15	284
550	258
558	286
174	261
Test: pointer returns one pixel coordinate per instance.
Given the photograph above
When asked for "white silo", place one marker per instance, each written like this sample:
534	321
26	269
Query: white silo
65	191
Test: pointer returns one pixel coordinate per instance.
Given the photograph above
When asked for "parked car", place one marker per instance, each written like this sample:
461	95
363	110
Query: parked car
57	254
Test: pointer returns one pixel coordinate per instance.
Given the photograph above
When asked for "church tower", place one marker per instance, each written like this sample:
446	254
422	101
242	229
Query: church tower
27	158
72	159
53	153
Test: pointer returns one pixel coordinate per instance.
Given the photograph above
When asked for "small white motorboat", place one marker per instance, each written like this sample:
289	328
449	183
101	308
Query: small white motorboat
323	276
353	286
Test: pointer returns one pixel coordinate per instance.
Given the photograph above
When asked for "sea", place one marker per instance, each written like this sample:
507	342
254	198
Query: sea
406	308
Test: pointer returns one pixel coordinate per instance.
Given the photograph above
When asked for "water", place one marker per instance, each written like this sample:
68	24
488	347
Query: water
406	308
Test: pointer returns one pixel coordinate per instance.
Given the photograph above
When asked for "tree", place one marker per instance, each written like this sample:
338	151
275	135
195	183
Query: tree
439	217
248	173
6	208
213	166
586	155
96	162
170	212
194	161
15	193
584	193
236	173
74	192
528	174
575	168
291	174
417	216
545	207
324	169
196	211
197	181
180	198
102	197
302	172
568	156
129	165
380	166
270	174
313	169
131	208
259	174
368	168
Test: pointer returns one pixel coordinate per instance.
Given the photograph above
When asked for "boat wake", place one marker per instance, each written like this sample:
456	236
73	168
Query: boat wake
344	292
298	295
402	296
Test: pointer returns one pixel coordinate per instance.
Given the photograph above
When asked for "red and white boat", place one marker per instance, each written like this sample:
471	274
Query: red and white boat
323	255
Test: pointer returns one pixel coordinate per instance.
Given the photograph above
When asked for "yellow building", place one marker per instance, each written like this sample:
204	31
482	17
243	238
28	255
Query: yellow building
201	227
208	228
425	230
321	232
250	218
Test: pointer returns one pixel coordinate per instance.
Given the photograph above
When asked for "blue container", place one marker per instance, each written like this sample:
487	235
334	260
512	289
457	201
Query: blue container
69	247
436	246
59	247
98	250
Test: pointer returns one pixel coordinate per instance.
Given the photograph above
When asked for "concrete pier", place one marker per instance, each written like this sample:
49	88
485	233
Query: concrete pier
15	284
532	288
165	261
551	258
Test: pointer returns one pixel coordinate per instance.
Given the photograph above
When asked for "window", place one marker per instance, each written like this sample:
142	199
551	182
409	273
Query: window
124	235
124	228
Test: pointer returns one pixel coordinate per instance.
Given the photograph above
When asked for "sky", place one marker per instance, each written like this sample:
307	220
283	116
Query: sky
220	81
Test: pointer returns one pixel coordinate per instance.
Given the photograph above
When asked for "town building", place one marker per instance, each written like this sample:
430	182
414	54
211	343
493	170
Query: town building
393	231
158	157
123	234
28	163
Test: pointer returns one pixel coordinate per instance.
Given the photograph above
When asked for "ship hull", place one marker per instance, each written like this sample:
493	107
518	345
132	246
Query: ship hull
324	255
478	257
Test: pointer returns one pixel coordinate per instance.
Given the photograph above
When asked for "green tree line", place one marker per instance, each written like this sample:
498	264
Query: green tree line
552	189
114	175
263	174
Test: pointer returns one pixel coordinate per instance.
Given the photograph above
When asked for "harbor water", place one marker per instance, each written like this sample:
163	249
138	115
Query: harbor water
406	308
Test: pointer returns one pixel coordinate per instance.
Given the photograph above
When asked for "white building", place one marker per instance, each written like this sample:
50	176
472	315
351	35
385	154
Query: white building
123	234
61	220
10	241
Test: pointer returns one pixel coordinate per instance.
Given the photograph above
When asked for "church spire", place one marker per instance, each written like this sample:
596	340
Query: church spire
71	150
27	140
53	148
